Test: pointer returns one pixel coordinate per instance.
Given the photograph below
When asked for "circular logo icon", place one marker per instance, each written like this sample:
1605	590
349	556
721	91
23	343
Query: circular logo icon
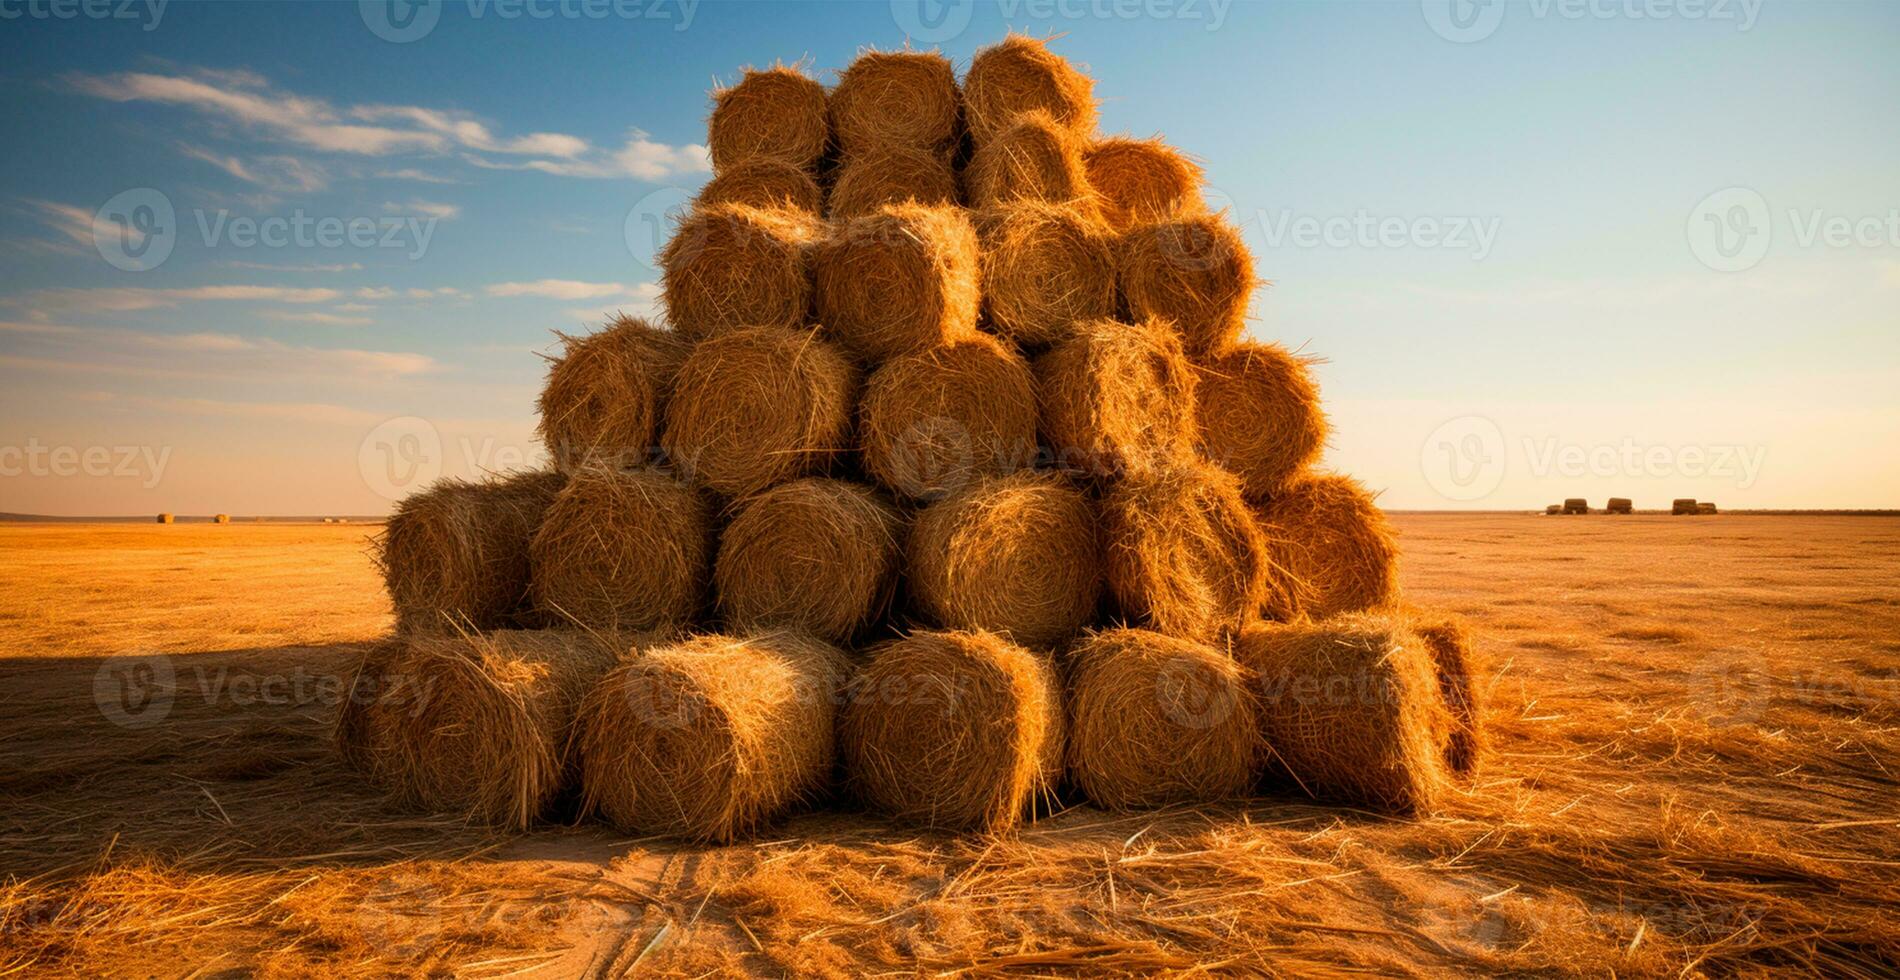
1193	696
1463	21
400	456
135	690
651	220
135	230
1463	459
401	916
1732	686
664	707
932	21
1731	229
400	21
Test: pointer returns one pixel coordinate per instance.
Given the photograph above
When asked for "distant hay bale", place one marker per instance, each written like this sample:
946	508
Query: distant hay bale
624	549
221	519
1156	720
1455	664
1705	507
1117	399
456	554
776	112
1194	272
765	182
1620	505
605	393
165	518
1328	534
1142	181
1034	159
1576	505
1020	74
816	555
871	178
731	266
759	406
1260	415
711	738
934	422
900	280
958	730
1015	555
1554	509
906	98
1046	268
1683	505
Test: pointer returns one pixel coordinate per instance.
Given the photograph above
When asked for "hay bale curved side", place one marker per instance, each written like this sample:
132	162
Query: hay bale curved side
1046	268
875	177
906	98
456	554
1117	399
775	112
1194	272
605	394
1020	74
935	422
816	555
1034	159
1455	661
765	182
622	549
1329	534
1141	181
730	266
1260	415
900	280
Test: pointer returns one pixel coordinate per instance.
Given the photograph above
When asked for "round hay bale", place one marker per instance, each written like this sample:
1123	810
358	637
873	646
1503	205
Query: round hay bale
1035	159
1681	505
456	554
935	422
958	730
1140	181
1194	272
775	112
1260	415
899	280
1156	720
371	691
1454	661
756	407
1046	268
1327	532
165	518
872	178
732	266
622	549
907	98
1117	399
711	738
605	393
815	555
765	182
1015	555
1020	74
1350	711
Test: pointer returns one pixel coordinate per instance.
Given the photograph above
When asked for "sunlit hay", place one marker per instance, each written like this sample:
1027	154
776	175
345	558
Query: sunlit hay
221	519
1020	74
1142	181
1620	505
900	280
1035	159
1194	272
1455	664
1156	720
731	266
1327	532
605	393
775	112
816	555
1016	555
958	730
933	423
1184	554
456	554
165	518
1046	268
1260	415
711	738
759	406
906	98
1350	710
1117	399
623	549
869	179
765	182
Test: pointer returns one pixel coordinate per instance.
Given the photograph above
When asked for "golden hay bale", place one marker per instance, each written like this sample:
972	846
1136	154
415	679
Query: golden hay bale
622	549
1705	507
757	407
935	422
869	179
1016	555
776	112
221	519
1327	532
908	98
765	182
371	691
1260	415
1020	74
605	393
165	518
732	266
713	737
1046	268
959	730
1620	505
1157	720
1140	181
456	554
1035	159
815	555
1350	710
1681	505
1194	272
1454	660
1117	399
900	280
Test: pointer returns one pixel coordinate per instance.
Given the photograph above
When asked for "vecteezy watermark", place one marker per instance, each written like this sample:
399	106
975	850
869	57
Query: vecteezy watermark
1467	458
137	229
405	454
1469	21
135	690
650	222
146	13
1364	230
145	464
937	21
403	21
1731	230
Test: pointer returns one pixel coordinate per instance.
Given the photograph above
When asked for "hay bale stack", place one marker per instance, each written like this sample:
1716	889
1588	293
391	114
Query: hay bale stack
1016	555
1018	75
1454	661
1117	399
1620	505
606	391
731	266
1576	505
900	280
758	406
711	738
776	112
1260	415
622	549
765	182
871	179
1328	534
815	555
1156	720
959	730
1141	181
935	422
1683	505
1194	272
456	555
902	98
1035	158
1046	268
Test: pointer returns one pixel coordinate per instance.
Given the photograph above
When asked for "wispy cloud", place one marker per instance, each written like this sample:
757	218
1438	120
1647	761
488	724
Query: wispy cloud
94	350
306	267
282	174
426	209
417	175
127	299
562	289
639	158
320	317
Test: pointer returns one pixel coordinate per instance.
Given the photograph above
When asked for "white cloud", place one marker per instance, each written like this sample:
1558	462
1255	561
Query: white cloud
308	267
426	209
74	223
563	289
282	174
420	176
95	350
320	317
126	299
640	158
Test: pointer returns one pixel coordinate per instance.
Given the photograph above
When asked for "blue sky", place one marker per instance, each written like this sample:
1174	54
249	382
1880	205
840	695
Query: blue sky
1563	248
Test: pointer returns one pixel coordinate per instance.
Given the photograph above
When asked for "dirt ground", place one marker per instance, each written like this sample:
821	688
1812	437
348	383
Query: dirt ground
1695	737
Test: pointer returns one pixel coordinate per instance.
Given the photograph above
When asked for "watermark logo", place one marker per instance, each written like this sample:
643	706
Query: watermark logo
401	915
1467	458
1730	230
1463	21
1470	21
135	690
136	230
1192	695
1463	459
1373	232
400	21
36	459
932	21
147	13
649	223
400	455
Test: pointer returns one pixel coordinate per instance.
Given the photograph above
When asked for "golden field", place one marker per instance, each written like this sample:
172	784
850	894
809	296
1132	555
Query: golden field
1695	738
